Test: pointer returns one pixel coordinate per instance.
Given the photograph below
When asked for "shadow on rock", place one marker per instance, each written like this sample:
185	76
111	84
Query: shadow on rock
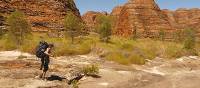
94	75
55	77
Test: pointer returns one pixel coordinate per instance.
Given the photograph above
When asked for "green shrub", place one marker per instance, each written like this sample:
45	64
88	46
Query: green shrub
178	36
66	48
162	35
29	46
189	40
125	51
73	25
91	70
147	48
185	52
117	57
1	32
104	27
125	58
18	28
75	84
7	43
84	48
127	46
171	50
136	59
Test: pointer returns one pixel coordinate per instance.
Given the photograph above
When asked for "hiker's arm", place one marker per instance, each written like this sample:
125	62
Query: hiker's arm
50	55
47	52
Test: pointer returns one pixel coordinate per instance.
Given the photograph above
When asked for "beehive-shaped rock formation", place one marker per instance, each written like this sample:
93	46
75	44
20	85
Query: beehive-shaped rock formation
43	15
142	18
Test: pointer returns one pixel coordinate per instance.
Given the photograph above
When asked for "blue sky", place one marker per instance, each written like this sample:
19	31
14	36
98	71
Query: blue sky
107	5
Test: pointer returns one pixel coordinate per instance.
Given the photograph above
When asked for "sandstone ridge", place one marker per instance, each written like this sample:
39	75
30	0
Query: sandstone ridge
43	15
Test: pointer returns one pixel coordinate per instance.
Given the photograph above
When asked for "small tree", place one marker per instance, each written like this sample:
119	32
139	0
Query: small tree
73	26
178	36
189	40
134	35
104	27
1	32
18	27
162	35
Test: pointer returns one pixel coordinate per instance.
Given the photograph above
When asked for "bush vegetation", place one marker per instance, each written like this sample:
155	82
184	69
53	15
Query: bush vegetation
91	70
73	26
189	40
121	50
162	34
1	32
75	84
104	27
18	27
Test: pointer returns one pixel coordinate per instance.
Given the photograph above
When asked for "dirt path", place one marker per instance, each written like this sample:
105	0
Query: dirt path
159	73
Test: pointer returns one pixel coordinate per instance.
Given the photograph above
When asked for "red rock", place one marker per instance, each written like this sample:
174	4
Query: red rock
42	14
142	17
115	14
184	18
116	11
90	19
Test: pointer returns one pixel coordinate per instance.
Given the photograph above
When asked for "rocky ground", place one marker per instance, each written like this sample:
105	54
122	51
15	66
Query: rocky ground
159	73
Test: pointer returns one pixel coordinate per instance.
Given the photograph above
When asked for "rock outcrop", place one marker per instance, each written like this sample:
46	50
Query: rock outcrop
1	20
145	19
43	15
116	11
90	18
184	18
115	14
142	18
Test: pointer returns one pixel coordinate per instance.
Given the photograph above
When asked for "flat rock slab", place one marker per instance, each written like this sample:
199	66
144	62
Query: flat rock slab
158	73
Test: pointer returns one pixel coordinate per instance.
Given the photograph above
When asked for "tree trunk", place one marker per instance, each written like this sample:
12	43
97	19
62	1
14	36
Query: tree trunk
72	36
20	43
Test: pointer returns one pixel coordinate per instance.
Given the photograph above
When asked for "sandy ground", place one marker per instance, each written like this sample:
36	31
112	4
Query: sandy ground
159	73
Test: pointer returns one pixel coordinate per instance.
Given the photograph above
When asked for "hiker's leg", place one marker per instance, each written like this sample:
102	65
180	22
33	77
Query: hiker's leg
46	65
43	75
42	63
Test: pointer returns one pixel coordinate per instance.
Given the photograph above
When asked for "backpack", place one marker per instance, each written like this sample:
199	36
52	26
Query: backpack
41	48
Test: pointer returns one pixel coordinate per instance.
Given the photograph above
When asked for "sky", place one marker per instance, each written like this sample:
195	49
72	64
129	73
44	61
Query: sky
108	5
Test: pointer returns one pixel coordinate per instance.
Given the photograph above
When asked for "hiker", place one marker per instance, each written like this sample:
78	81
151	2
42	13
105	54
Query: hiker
43	52
45	60
41	48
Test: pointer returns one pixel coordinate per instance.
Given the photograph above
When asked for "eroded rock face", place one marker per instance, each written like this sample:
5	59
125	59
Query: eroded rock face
142	18
1	20
184	18
145	19
90	18
115	14
42	14
116	11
